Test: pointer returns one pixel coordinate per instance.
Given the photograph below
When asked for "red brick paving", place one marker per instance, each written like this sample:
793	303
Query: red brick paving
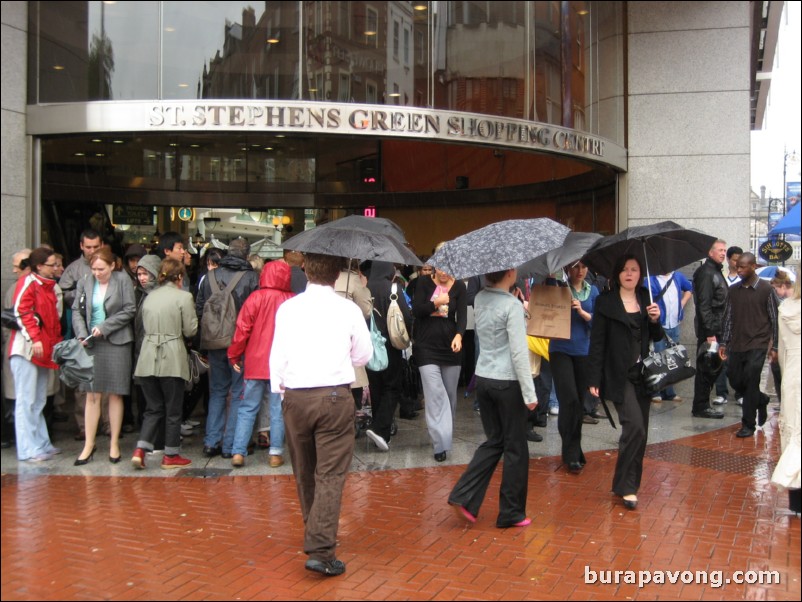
99	538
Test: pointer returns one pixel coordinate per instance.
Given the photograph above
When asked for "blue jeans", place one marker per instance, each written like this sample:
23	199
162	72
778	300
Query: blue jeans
222	378
257	392
668	393
30	386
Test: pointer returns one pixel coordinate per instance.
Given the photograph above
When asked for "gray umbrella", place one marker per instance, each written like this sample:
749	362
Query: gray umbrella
662	247
499	246
76	365
574	247
381	225
352	243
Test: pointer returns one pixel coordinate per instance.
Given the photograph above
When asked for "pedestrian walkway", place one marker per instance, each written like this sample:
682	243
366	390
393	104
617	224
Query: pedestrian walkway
706	506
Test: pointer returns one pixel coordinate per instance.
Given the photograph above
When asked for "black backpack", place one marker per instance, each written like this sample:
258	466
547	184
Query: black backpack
219	320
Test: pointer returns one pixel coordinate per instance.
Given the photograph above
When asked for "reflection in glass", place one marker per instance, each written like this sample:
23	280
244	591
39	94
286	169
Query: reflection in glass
547	61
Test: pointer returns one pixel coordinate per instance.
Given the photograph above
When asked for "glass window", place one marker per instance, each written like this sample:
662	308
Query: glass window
94	51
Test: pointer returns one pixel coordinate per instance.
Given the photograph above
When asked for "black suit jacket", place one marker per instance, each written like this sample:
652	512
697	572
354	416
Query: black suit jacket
611	343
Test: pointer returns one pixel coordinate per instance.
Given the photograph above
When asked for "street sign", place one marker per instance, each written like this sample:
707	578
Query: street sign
133	215
185	214
776	251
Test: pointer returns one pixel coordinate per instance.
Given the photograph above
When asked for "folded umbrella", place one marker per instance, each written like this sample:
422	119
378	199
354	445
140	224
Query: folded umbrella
76	366
499	246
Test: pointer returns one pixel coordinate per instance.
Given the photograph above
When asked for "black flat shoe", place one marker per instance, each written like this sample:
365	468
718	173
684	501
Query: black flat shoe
211	452
441	457
745	432
114	460
630	504
575	467
531	435
708	413
329	568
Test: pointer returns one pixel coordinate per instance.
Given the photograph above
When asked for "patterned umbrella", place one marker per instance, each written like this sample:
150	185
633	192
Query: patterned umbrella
499	246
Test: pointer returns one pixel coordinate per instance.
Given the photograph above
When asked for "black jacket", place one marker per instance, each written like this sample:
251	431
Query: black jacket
710	297
611	340
380	282
228	268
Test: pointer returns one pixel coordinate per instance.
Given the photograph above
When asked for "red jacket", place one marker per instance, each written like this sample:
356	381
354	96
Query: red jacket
35	306
256	321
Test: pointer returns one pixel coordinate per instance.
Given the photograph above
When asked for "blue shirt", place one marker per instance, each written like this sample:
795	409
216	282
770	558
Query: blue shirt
682	284
579	343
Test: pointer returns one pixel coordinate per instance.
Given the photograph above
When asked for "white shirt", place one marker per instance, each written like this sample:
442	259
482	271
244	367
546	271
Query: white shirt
320	337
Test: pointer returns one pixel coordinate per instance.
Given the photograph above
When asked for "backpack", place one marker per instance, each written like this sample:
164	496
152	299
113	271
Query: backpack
219	320
396	328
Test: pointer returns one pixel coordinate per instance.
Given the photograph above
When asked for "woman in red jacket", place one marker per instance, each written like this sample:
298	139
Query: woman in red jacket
253	338
30	350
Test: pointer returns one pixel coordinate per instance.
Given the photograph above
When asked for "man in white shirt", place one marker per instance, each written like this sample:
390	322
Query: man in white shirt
320	337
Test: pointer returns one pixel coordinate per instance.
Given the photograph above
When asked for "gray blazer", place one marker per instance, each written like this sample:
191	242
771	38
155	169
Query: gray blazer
120	306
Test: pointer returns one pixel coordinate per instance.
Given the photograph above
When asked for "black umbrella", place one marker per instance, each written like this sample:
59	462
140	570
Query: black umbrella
352	243
499	246
574	247
662	247
380	225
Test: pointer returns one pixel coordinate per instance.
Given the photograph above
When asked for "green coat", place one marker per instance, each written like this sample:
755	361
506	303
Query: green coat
168	316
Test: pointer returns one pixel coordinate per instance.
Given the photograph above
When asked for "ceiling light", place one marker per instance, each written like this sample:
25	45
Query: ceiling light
58	67
273	40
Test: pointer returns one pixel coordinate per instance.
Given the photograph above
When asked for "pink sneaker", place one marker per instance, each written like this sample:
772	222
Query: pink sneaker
462	512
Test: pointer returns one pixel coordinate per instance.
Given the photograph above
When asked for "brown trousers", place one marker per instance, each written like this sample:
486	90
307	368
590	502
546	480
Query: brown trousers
319	429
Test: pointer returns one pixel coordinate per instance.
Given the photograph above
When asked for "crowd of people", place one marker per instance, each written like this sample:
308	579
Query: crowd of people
149	324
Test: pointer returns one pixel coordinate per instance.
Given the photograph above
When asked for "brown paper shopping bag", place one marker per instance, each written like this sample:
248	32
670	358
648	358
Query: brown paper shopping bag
549	312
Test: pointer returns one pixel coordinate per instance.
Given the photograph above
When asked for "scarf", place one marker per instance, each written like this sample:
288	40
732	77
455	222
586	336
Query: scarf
583	294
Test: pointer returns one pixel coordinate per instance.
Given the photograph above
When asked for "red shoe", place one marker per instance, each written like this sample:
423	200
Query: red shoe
177	461
138	459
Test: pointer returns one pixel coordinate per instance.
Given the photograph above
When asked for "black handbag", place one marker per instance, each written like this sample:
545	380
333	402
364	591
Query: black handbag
667	367
9	318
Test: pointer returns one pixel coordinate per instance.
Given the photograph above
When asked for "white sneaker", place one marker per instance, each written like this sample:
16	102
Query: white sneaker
657	399
740	401
186	429
718	400
554	411
378	440
192	423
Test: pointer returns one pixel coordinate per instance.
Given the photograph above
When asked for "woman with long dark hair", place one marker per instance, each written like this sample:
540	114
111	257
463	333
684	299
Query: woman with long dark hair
624	322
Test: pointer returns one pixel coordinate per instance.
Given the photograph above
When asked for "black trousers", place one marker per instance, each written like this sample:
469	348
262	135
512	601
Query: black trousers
633	415
503	415
702	385
165	399
385	392
570	382
744	370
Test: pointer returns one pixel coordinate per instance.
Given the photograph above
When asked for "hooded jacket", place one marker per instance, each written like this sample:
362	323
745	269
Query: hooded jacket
35	308
228	268
256	322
